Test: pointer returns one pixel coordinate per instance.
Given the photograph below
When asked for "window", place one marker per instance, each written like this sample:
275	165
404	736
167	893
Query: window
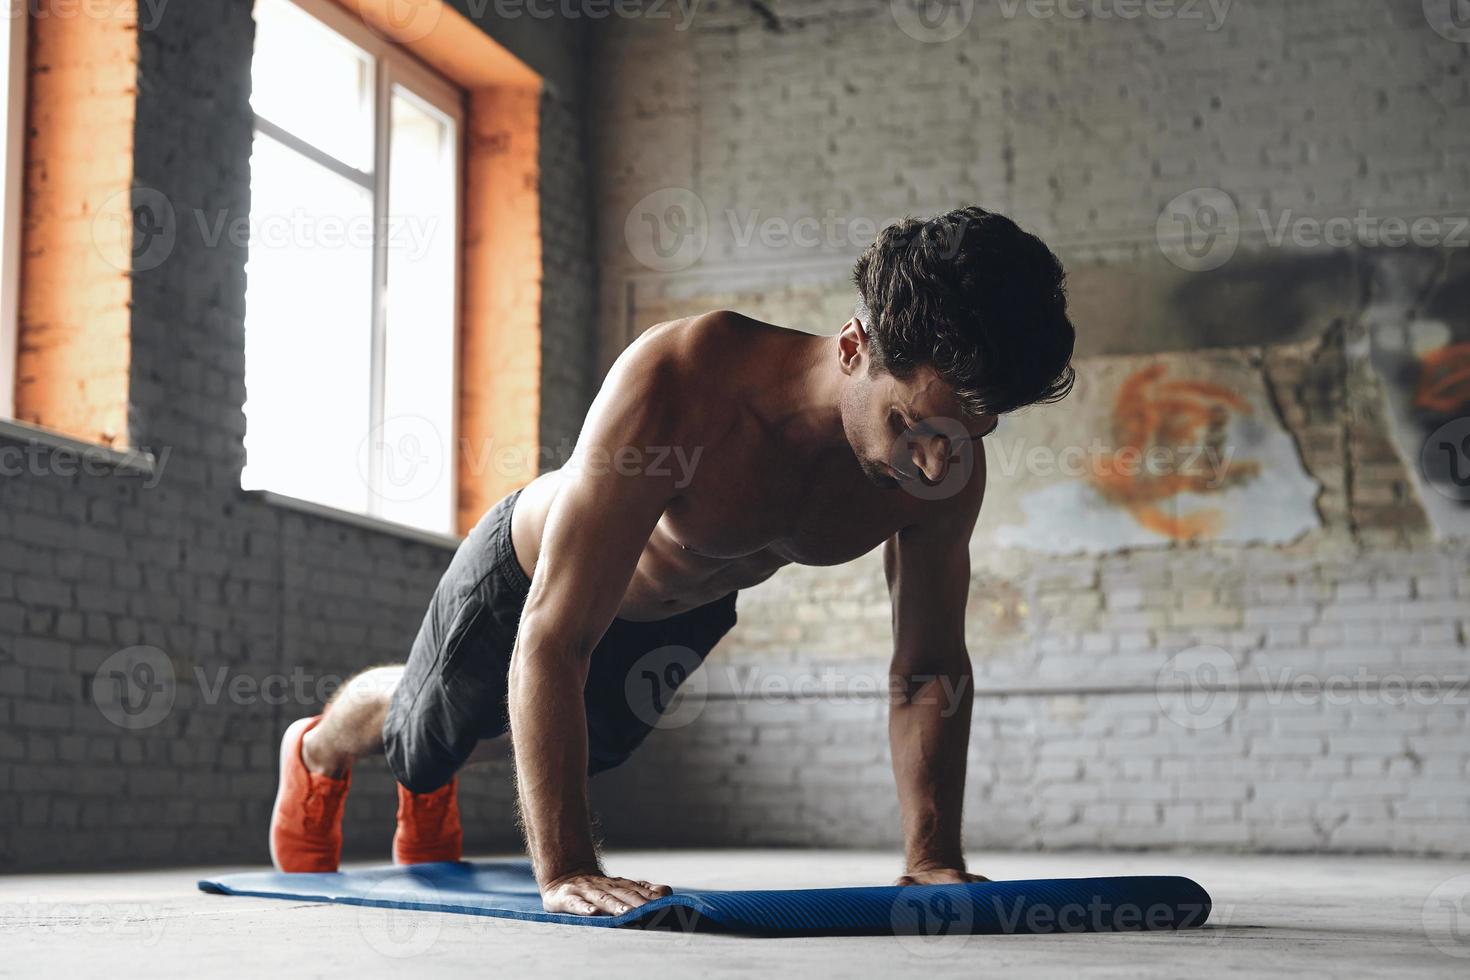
12	155
352	280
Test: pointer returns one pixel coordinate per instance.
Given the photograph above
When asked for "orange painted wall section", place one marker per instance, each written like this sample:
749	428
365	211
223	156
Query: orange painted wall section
74	339
500	337
441	36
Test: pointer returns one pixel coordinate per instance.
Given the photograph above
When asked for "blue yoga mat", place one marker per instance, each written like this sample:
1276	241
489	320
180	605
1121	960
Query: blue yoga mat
506	889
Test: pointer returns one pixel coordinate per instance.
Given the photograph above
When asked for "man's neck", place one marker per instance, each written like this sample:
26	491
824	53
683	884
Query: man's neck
805	403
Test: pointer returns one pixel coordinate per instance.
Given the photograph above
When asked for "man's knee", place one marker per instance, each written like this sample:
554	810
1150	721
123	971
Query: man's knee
420	781
417	764
373	687
426	738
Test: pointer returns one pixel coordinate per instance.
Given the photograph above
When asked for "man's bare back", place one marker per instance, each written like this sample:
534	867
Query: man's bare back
771	480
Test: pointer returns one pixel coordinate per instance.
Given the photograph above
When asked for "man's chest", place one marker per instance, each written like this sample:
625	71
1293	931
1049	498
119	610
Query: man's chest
826	515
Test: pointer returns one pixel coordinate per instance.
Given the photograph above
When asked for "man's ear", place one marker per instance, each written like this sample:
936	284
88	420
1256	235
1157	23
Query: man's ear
852	345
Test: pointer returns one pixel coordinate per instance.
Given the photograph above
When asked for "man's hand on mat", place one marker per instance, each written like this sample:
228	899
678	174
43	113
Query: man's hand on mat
595	894
939	876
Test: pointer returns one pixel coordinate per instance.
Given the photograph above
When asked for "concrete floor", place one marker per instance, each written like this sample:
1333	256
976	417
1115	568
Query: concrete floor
1306	917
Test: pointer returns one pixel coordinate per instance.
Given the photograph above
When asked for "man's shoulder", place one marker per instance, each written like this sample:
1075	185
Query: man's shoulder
692	351
678	372
687	339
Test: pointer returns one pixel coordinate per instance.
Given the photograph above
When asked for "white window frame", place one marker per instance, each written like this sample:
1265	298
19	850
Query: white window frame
392	65
12	182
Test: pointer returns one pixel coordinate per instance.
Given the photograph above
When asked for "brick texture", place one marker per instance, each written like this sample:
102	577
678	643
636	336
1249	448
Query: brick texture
500	360
73	350
260	611
1083	130
826	111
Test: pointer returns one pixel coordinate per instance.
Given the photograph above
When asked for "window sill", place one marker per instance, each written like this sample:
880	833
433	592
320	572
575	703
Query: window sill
129	460
448	542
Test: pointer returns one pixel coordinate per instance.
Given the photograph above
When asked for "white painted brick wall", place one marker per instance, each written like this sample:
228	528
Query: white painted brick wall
1082	130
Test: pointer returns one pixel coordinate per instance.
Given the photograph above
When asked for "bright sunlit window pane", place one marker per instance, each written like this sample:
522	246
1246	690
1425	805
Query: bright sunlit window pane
313	83
415	459
351	279
308	330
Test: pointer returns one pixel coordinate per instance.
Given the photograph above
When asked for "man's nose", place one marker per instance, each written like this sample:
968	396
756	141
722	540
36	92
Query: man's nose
932	457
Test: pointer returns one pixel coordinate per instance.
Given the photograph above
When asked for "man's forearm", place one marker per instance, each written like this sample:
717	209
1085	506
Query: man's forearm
929	736
548	722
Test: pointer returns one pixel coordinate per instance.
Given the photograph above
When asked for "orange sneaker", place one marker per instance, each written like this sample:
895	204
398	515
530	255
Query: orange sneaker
428	826
306	821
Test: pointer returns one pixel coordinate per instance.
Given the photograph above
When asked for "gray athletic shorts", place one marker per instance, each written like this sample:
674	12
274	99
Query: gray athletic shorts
453	690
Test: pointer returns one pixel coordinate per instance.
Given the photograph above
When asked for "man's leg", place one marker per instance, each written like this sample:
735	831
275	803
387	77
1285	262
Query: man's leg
316	771
427	717
353	726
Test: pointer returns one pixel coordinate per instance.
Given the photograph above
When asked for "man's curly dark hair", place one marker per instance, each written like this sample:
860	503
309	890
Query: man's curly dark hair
976	298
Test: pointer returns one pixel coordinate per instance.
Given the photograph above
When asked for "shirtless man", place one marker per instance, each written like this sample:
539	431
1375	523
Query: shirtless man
809	449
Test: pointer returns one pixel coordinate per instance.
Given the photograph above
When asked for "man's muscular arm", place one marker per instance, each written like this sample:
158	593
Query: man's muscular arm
595	532
928	571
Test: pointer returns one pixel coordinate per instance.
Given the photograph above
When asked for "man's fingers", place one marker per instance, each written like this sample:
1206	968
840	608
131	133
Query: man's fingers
647	890
612	899
601	902
572	904
575	901
597	895
627	893
621	884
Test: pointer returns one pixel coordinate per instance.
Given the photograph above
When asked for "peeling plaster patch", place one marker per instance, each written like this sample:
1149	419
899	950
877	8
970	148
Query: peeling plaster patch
1403	356
1147	452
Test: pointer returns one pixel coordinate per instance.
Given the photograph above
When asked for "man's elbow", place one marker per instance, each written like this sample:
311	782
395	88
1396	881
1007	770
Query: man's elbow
541	650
